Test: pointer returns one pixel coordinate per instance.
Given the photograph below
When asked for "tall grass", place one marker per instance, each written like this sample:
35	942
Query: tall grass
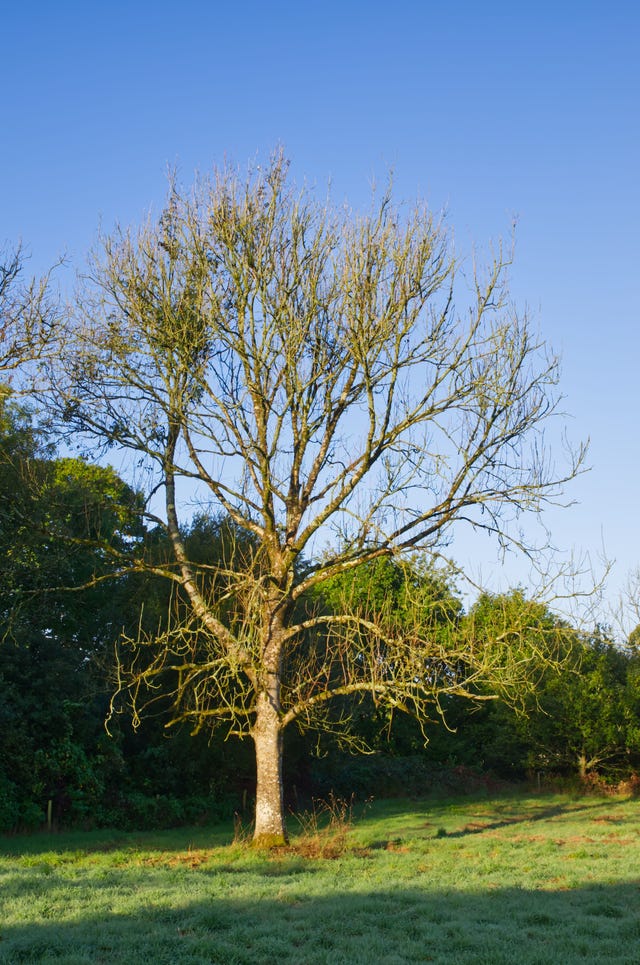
530	880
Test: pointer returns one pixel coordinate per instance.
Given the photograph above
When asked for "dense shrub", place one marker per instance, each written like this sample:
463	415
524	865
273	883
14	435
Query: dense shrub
383	776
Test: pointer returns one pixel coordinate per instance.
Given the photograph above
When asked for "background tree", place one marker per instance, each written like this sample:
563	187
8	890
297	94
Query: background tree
588	719
513	737
62	522
27	312
580	714
403	593
309	369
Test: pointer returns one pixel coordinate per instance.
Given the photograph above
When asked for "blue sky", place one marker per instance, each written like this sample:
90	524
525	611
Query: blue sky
493	111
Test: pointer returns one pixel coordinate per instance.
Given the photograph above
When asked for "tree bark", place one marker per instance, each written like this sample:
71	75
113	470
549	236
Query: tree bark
270	829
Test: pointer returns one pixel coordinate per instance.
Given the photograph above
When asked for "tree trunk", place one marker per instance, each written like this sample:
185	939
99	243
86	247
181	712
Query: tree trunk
582	766
267	735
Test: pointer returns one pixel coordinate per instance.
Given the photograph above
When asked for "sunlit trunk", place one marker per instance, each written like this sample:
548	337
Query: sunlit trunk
583	765
267	735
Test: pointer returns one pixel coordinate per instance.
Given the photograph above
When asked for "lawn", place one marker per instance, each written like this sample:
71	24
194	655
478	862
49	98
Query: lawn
538	879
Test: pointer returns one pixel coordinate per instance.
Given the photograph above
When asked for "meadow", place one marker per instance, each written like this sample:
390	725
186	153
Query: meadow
528	879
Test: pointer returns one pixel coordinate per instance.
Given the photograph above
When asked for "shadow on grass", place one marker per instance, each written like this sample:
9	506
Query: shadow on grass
111	839
539	814
427	821
291	926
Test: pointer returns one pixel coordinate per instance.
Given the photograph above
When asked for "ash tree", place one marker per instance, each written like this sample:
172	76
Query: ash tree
310	370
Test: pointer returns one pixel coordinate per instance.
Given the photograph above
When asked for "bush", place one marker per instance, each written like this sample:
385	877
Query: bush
9	805
385	776
17	813
136	811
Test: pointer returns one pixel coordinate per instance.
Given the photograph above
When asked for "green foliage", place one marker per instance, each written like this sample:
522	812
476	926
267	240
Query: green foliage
589	720
389	776
580	717
64	525
62	772
408	598
413	591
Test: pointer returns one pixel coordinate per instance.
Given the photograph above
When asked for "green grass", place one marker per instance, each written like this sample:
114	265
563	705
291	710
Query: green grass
530	880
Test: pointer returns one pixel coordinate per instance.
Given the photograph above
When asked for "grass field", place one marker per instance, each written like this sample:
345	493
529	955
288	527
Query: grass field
539	879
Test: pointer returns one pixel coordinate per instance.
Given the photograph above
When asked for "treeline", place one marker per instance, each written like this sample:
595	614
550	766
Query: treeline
72	595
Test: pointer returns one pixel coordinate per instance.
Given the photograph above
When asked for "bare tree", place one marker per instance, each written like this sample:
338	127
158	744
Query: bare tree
625	615
26	313
308	366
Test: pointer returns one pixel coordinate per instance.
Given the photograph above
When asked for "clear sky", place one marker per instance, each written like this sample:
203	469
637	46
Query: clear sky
493	110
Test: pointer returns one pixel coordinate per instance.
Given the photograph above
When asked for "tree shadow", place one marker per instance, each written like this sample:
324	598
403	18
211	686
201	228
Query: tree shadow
540	814
499	816
112	839
412	923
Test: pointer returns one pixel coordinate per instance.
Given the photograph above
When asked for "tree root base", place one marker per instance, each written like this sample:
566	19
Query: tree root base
265	842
